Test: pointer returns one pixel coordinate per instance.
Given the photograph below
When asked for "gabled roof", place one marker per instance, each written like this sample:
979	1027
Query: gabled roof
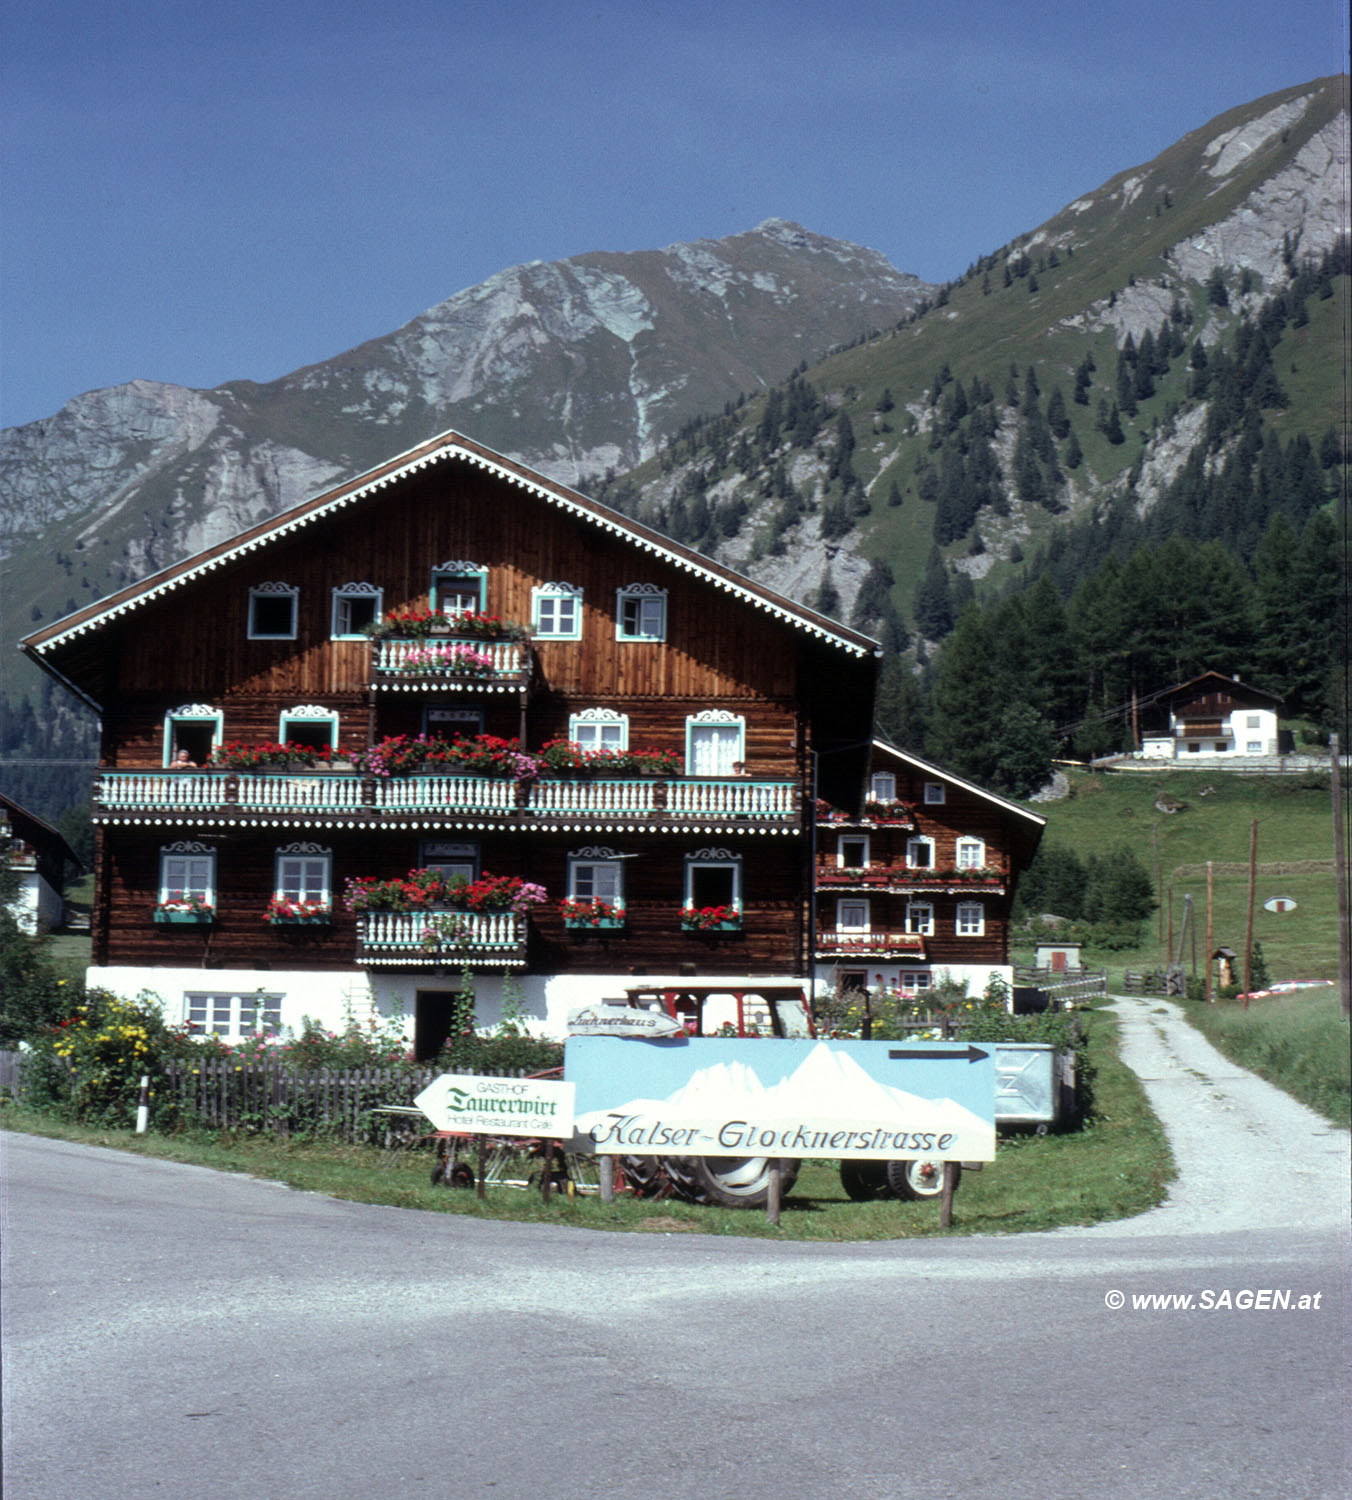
1028	825
36	831
929	768
449	447
1215	682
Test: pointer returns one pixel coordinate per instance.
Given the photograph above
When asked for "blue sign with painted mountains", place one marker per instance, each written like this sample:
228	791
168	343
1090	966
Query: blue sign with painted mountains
798	1097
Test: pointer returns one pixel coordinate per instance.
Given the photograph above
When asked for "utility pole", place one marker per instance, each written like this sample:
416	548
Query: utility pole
1340	875
1248	928
1159	887
1210	902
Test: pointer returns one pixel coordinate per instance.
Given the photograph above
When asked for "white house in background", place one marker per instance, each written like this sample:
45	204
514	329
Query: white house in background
38	855
1211	716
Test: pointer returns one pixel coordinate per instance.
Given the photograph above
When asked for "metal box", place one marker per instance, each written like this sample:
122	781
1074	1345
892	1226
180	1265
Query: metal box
1029	1083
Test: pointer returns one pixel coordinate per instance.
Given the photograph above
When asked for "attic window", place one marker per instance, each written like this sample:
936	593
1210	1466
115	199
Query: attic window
556	609
272	612
355	606
458	587
935	794
641	613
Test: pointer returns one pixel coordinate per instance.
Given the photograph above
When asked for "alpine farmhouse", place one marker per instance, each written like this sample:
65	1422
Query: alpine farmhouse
916	886
451	735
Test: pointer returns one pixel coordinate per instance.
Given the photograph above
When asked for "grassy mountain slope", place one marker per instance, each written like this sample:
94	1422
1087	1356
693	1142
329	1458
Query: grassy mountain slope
1294	859
1252	195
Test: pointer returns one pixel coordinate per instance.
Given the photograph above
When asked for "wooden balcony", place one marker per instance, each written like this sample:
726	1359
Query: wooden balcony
908	880
441	939
838	943
336	798
400	665
868	878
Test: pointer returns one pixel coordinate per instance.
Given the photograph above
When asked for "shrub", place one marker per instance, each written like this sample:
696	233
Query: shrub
89	1065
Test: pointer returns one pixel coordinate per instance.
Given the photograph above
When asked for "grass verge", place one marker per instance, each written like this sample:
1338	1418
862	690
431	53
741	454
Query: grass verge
1298	1042
1119	1165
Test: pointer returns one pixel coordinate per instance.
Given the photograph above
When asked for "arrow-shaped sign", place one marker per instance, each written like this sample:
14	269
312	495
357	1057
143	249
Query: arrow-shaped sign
971	1053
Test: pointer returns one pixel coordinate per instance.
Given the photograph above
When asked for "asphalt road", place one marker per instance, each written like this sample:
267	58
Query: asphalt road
171	1331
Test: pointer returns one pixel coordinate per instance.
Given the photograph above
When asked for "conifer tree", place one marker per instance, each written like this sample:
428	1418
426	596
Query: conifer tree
967	692
933	599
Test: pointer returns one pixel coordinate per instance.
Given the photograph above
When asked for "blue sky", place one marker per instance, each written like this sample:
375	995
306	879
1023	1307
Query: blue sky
197	193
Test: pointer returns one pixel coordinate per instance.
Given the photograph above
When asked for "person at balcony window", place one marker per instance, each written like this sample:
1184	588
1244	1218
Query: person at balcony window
182	761
739	768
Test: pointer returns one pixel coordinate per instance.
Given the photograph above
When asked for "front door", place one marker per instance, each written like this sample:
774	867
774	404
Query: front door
437	1016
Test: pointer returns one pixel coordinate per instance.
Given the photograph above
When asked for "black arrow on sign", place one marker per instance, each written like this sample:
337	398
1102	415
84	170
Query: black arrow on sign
972	1054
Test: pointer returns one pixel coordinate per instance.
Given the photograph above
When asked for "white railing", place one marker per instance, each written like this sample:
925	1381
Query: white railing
440	936
733	799
507	658
145	791
348	793
449	793
271	792
634	797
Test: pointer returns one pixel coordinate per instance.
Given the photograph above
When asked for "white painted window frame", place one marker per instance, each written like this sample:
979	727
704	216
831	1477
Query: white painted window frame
916	842
971	852
221	1013
308	713
461	571
712	859
340	623
589	729
550	620
197	875
842	862
312	859
596	874
965	924
276	590
920	925
715	720
192	713
862	923
648	605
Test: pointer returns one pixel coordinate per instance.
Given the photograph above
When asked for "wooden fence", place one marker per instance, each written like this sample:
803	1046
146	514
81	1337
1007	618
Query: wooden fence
282	1101
1145	982
11	1074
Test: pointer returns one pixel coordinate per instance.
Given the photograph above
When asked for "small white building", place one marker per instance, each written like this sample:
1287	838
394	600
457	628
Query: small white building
38	855
1211	716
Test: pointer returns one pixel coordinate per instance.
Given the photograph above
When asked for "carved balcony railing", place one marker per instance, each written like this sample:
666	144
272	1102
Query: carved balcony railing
844	943
905	880
620	797
866	878
413	665
441	939
334	797
446	795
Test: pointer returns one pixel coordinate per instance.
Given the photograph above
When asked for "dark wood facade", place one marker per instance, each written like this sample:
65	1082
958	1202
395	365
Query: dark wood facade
920	883
179	644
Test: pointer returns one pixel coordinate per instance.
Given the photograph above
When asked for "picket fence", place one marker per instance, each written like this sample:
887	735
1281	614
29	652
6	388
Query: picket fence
337	1102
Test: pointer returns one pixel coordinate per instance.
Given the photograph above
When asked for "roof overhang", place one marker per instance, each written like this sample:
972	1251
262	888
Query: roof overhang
450	447
1030	824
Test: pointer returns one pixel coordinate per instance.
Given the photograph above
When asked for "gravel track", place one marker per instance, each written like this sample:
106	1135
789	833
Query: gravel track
1248	1155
